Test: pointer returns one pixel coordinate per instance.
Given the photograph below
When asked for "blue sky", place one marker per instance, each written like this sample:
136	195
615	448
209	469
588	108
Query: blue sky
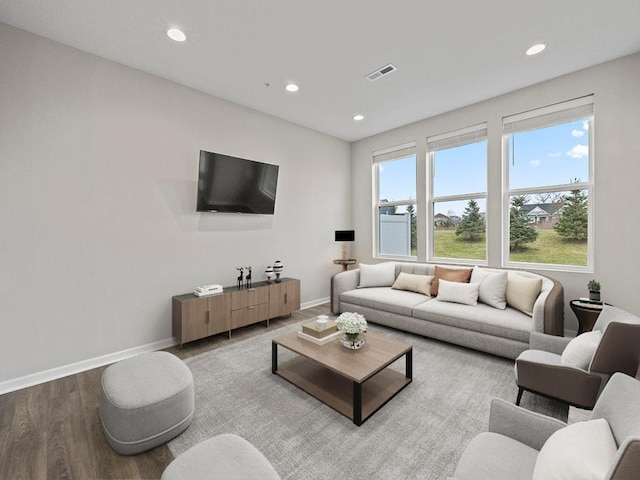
543	157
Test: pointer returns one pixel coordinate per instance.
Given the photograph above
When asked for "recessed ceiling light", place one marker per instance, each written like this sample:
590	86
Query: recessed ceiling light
537	48
176	35
358	117
291	87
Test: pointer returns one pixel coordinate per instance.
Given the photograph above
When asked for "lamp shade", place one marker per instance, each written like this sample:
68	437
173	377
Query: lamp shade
345	235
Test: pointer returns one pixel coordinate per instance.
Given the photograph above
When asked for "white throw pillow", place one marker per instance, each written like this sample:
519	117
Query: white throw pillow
581	451
522	292
457	292
493	287
413	283
379	275
579	351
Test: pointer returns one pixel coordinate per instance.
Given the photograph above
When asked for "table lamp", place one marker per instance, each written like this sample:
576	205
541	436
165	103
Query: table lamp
345	236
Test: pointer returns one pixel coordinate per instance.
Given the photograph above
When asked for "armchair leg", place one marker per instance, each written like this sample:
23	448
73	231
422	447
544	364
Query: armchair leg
520	390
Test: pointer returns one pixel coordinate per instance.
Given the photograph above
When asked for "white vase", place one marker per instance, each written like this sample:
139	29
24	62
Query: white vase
353	343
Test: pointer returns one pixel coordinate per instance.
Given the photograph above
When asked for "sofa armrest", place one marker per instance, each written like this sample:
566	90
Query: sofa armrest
343	282
554	310
530	428
627	461
548	343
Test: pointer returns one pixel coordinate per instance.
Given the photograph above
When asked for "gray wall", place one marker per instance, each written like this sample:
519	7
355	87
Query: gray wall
98	168
617	173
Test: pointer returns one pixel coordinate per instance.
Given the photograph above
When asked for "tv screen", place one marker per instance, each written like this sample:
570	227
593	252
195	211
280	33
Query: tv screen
238	185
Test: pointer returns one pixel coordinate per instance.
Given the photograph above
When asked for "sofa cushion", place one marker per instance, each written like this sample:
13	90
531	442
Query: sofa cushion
385	299
413	283
456	292
379	275
450	274
579	352
583	450
508	323
522	292
493	286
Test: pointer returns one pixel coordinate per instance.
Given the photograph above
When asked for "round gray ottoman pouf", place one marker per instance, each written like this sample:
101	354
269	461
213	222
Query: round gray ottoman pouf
146	401
224	457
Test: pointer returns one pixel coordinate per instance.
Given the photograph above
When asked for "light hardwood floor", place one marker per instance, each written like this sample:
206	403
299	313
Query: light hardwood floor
52	431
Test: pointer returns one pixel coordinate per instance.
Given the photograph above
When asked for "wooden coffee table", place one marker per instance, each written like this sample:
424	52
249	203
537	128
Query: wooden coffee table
356	383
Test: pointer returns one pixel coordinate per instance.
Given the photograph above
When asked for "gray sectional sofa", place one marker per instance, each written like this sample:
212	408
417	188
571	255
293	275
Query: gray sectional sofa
481	326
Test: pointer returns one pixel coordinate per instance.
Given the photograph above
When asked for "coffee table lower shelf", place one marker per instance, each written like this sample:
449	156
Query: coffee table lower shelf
356	401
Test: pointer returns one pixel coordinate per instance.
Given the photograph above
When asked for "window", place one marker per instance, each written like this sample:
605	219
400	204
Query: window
458	198
395	198
549	185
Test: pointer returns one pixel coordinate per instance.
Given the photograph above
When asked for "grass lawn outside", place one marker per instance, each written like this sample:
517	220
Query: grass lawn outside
548	248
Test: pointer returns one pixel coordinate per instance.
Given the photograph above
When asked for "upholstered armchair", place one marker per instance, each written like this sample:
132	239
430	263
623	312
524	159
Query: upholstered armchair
521	444
576	370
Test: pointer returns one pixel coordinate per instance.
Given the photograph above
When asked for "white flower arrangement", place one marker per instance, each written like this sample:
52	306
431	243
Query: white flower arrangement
352	324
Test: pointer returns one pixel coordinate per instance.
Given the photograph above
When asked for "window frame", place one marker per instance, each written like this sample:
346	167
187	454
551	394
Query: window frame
379	157
456	138
562	111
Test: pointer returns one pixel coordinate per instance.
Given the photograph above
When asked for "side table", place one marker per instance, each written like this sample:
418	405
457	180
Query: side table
345	262
586	313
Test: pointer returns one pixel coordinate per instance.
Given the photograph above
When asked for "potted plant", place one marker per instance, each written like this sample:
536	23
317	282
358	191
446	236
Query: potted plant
594	290
352	328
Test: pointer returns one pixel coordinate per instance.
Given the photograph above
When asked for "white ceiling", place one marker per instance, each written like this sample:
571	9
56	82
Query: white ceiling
449	53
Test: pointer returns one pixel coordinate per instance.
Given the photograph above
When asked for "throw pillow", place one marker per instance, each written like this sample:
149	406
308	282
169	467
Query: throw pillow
379	275
413	283
453	275
579	351
583	450
456	292
493	287
522	292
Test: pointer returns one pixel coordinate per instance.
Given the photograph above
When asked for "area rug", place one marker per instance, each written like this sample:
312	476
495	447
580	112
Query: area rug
419	434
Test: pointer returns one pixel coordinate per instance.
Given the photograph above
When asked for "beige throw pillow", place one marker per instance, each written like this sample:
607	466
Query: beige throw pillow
583	450
451	274
414	283
456	292
522	292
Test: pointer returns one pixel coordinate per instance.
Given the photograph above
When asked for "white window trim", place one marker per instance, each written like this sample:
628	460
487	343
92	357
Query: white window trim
460	137
528	119
379	156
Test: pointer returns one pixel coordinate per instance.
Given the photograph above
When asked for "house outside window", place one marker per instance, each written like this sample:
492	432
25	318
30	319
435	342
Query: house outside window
395	200
548	165
458	195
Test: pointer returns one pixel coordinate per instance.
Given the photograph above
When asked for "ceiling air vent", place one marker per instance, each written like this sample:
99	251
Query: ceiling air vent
381	72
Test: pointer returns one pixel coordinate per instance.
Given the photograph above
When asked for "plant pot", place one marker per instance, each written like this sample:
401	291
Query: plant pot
594	296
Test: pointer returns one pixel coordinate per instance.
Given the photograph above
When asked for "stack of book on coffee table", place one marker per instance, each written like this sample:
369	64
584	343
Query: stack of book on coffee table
319	335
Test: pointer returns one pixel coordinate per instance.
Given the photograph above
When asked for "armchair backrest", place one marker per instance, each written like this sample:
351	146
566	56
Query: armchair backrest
619	349
618	405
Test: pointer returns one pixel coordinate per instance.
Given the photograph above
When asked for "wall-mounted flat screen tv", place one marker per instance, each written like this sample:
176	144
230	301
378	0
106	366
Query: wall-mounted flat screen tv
236	185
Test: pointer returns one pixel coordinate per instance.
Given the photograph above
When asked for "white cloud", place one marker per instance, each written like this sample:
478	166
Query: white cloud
585	125
555	154
535	163
578	151
577	133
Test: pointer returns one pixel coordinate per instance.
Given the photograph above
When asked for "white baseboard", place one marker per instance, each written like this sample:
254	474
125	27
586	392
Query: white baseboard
84	365
73	368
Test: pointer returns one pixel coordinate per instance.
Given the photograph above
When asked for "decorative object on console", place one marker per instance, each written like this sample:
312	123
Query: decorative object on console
353	327
247	280
345	236
277	268
207	290
594	290
269	273
241	270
